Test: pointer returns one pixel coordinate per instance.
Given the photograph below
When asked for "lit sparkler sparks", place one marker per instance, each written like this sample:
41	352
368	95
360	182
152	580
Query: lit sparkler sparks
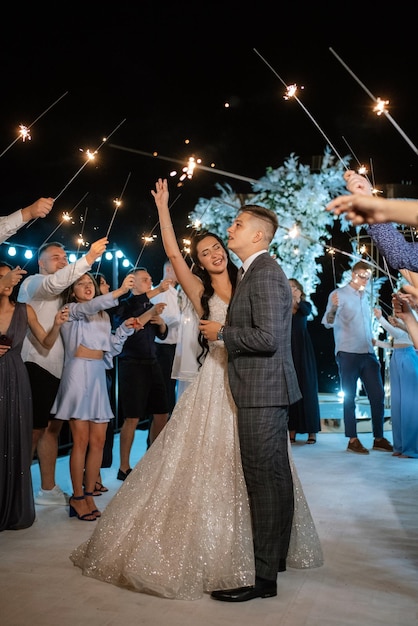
189	169
24	131
90	157
118	204
80	239
151	237
380	107
291	91
66	217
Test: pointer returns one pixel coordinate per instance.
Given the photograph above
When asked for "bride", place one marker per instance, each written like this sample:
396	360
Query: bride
180	524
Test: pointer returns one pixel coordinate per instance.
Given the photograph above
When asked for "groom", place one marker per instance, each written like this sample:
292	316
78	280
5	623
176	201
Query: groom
263	382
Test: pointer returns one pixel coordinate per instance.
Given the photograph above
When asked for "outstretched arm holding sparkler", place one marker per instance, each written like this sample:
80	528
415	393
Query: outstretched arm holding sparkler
391	243
366	209
10	224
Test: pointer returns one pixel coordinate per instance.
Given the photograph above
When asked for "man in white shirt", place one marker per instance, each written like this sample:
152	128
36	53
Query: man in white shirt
43	291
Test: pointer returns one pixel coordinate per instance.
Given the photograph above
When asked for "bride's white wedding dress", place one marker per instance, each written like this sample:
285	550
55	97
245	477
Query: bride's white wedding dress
180	523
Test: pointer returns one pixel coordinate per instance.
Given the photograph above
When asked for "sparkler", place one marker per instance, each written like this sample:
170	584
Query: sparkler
90	157
118	204
291	93
192	164
149	238
80	242
24	131
334	276
65	218
380	107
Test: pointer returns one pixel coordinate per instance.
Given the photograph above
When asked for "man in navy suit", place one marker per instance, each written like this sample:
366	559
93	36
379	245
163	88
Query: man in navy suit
263	382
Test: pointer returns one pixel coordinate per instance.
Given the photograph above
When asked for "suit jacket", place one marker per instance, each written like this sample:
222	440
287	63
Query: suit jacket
258	338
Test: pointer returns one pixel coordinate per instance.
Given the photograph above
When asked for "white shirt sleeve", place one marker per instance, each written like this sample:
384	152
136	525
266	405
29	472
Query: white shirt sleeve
10	224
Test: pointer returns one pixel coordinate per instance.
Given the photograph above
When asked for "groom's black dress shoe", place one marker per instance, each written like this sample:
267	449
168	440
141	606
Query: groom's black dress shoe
262	589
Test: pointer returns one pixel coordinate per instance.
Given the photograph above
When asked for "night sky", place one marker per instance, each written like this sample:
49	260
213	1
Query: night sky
166	71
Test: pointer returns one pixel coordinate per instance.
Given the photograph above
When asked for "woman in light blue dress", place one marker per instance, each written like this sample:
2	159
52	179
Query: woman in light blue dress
403	370
82	397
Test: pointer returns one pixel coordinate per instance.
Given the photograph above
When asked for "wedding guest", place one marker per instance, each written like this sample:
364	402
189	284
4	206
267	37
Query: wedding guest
368	209
107	459
391	243
403	371
304	415
43	291
404	306
399	253
141	383
17	508
82	397
348	314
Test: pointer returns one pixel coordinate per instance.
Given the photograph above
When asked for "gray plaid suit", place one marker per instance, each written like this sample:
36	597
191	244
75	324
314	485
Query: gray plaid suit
263	383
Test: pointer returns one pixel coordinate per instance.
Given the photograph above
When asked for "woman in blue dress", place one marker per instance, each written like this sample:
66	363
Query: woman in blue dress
403	370
82	397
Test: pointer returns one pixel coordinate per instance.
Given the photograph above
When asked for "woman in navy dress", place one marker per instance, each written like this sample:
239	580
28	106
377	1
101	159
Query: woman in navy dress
304	415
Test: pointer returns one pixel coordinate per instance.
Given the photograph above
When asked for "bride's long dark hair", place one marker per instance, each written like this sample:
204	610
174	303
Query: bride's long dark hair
204	276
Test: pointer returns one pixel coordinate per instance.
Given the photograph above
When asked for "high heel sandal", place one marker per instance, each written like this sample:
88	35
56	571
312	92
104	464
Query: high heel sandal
97	492
87	517
100	488
95	512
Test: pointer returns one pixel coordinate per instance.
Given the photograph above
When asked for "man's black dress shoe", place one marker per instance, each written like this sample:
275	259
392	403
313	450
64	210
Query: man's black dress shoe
262	589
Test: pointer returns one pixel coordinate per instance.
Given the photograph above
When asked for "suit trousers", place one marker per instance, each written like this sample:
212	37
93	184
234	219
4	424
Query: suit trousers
353	366
265	461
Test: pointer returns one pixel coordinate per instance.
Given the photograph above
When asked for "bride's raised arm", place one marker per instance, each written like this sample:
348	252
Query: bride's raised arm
191	284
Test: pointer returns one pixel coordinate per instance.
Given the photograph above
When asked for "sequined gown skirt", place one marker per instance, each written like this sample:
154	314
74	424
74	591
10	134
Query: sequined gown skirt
180	524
